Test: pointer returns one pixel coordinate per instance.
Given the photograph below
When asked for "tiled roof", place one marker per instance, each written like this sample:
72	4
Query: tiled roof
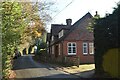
55	28
80	23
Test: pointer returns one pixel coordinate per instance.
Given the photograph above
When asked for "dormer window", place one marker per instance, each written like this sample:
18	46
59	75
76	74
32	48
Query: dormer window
61	33
52	38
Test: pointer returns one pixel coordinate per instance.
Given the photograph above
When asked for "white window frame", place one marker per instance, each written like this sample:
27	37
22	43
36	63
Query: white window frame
71	48
61	33
85	47
53	50
91	46
59	49
52	38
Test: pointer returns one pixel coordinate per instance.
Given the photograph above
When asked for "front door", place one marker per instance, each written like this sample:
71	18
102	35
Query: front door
56	51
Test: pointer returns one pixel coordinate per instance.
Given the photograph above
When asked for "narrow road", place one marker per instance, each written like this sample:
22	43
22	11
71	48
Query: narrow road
26	68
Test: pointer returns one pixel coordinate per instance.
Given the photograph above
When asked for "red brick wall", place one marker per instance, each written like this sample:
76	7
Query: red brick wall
79	35
80	32
83	58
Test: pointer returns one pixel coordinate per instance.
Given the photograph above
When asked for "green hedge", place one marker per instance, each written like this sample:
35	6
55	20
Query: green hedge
106	33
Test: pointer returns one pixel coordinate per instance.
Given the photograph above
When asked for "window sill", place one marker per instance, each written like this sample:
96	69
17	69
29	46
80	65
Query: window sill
71	54
91	54
85	54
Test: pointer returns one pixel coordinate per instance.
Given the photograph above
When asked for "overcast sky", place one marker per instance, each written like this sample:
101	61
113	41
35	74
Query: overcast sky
78	8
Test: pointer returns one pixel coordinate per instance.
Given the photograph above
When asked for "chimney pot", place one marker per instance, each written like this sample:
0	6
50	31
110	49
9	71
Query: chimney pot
69	21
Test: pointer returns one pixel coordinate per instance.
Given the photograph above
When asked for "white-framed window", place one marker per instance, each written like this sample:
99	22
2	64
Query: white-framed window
52	38
61	33
52	49
91	48
85	48
71	48
59	49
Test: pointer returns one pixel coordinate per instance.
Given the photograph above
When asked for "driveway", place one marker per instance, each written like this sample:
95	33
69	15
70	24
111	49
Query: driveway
26	68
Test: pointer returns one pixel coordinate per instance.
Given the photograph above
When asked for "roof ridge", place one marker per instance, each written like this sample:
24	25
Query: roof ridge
83	17
73	26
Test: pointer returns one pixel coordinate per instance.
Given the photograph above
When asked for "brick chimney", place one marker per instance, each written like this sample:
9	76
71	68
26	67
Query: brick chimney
69	21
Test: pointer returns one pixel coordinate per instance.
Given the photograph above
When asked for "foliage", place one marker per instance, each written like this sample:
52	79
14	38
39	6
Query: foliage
43	45
36	17
11	24
21	23
35	27
106	37
41	42
12	27
44	8
90	27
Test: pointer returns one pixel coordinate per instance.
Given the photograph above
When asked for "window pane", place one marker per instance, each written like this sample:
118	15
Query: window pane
85	49
84	44
69	50
91	48
73	44
69	44
74	50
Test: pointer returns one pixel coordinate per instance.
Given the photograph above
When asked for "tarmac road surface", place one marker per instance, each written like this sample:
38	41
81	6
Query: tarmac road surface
27	69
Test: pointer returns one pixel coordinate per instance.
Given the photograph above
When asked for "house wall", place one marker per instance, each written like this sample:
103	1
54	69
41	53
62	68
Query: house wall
89	58
78	33
60	53
52	53
53	58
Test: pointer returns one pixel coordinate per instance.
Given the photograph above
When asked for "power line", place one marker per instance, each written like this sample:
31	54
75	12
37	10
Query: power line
64	8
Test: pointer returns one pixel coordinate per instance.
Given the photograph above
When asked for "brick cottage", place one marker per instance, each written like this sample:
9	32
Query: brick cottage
65	42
